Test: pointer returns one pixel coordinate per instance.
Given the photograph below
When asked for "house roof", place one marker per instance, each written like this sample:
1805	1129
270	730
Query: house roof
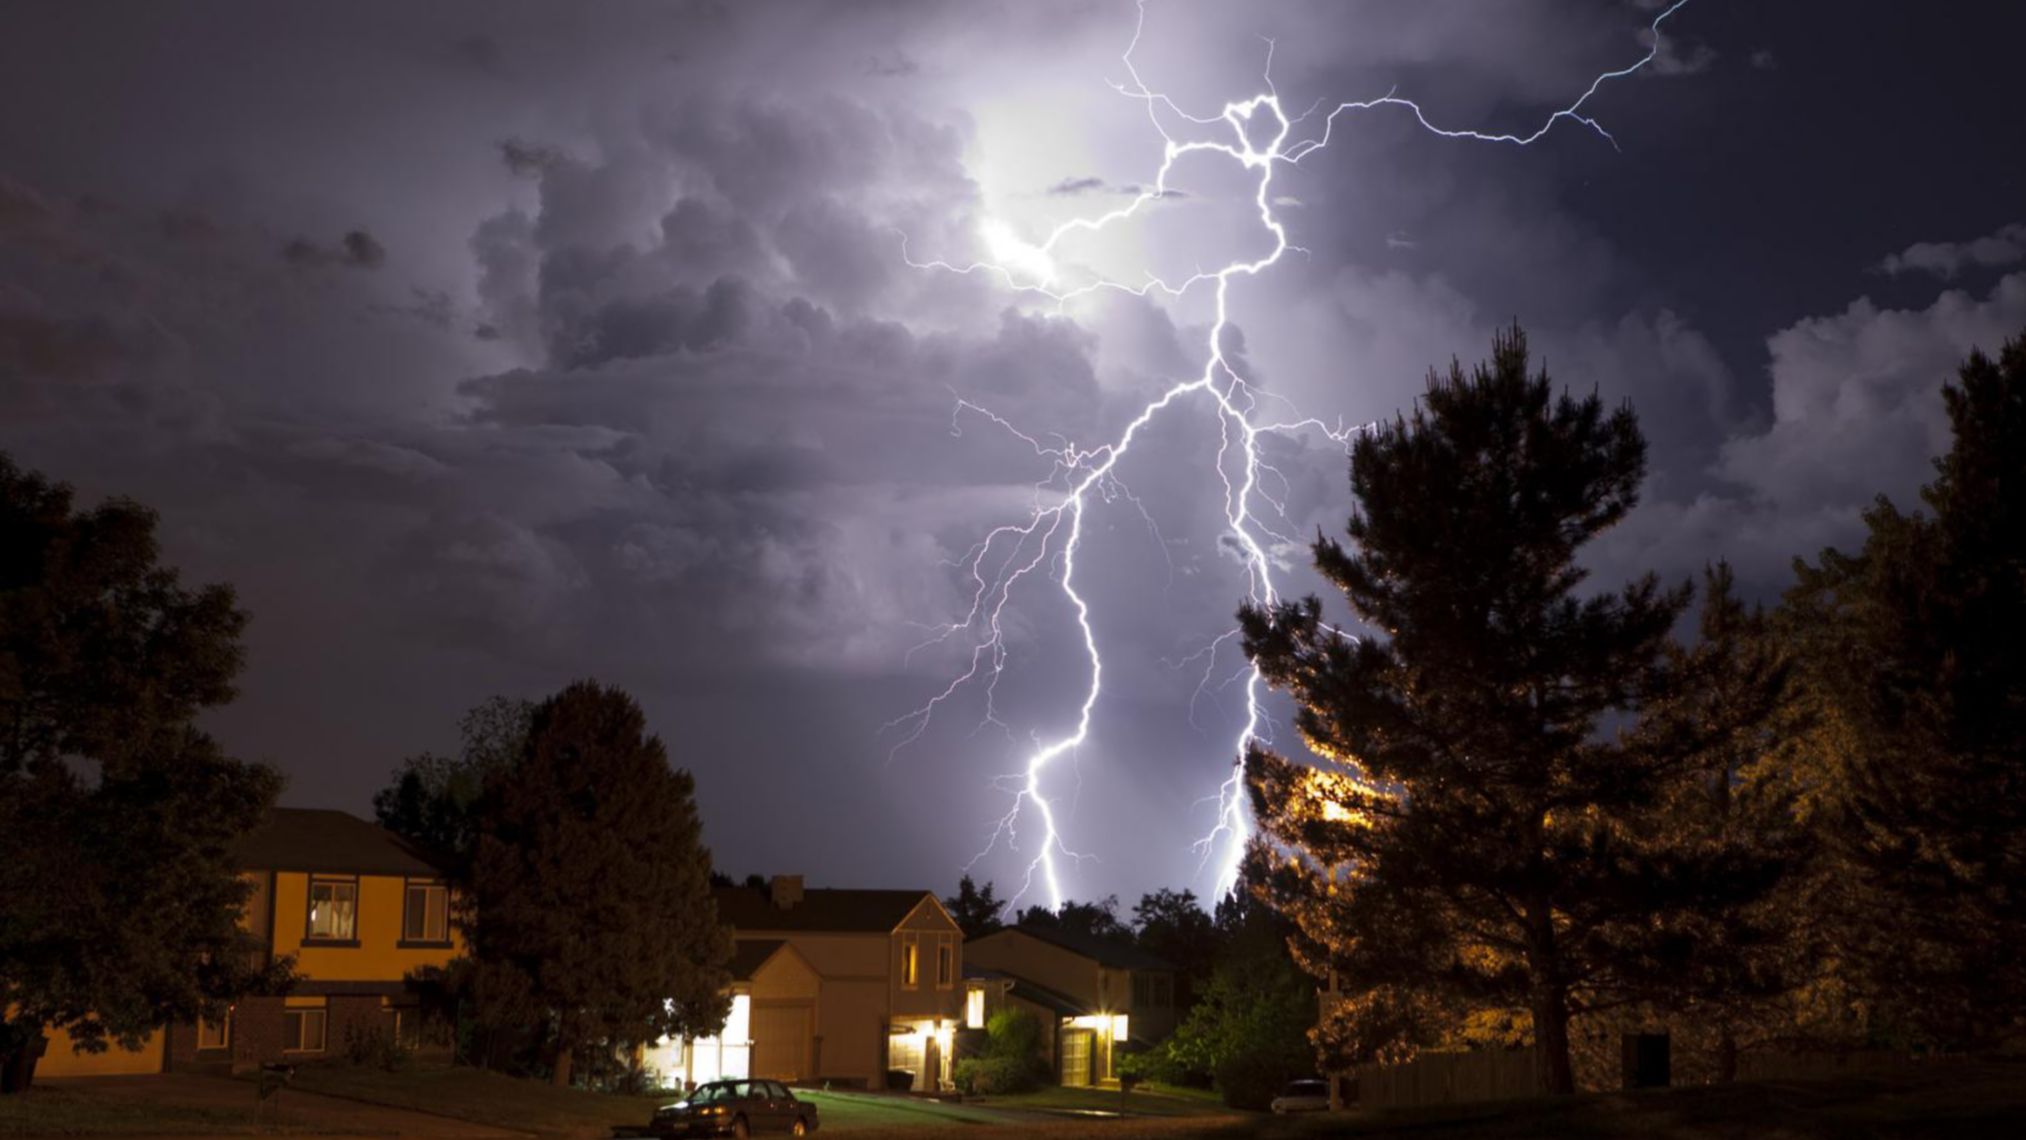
1103	951
751	954
822	909
320	839
1055	1001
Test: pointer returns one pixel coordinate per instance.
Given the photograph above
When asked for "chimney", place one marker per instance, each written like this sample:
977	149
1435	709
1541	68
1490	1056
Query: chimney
786	890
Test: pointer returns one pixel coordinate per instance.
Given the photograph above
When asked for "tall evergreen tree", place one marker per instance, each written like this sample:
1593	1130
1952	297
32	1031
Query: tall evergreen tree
1911	651
119	901
590	883
1472	838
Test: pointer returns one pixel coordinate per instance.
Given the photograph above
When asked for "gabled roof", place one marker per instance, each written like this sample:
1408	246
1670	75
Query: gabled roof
821	909
319	839
1103	951
751	954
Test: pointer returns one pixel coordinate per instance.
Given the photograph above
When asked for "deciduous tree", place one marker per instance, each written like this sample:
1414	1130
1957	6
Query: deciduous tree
119	900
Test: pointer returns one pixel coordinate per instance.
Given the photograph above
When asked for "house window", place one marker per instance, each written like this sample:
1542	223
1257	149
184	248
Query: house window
426	915
946	964
302	1031
910	961
215	1034
974	1008
334	910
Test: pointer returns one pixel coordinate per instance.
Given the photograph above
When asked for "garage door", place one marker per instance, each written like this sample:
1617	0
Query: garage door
1076	1057
781	1042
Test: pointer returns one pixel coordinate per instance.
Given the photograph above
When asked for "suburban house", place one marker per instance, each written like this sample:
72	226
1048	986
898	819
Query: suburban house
840	986
1099	995
356	905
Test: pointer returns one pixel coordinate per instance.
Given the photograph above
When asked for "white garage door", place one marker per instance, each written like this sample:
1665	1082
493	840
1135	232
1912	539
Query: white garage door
781	1042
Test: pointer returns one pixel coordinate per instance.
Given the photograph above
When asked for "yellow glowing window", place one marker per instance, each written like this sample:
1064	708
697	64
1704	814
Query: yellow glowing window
974	1008
910	962
334	910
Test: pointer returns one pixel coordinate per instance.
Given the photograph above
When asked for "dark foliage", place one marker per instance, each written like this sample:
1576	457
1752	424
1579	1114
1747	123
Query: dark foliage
1916	668
590	885
976	909
1481	837
118	896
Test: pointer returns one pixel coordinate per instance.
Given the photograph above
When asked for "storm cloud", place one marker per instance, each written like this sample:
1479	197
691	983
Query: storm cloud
488	346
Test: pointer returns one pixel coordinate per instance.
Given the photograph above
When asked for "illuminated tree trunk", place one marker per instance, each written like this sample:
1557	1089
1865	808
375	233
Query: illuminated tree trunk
1550	1007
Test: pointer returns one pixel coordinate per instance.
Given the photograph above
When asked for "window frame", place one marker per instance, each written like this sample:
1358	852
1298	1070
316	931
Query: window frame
429	885
293	1042
910	962
309	936
946	963
224	1027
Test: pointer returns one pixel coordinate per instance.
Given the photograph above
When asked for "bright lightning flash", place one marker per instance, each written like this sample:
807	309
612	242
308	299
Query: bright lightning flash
1049	540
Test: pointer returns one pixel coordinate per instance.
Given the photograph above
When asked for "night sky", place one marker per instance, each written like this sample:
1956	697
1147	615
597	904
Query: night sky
486	346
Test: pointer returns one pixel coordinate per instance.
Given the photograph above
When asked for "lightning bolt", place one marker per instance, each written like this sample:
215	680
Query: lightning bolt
1048	542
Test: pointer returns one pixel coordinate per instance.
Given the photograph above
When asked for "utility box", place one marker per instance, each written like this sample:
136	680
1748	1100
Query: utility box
1647	1060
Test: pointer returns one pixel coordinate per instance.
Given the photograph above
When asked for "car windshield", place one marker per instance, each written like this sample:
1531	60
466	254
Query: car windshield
708	1093
1306	1088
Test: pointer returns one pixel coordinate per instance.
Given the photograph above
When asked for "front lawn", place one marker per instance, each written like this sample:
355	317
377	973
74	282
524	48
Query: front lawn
536	1106
91	1108
1155	1100
483	1098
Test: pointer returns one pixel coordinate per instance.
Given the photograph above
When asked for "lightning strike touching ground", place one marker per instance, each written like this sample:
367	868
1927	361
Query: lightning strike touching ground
1049	540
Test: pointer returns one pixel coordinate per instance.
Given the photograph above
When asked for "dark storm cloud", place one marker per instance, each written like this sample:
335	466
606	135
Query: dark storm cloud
641	386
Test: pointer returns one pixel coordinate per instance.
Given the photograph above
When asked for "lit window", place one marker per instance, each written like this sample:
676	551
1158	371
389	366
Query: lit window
426	917
910	961
302	1031
946	964
215	1034
334	910
974	1008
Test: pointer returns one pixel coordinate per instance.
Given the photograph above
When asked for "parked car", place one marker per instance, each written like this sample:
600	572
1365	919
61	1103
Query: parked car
1303	1096
735	1108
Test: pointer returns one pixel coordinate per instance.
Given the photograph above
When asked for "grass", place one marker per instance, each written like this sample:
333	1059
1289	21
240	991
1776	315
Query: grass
483	1098
1156	1100
68	1109
535	1106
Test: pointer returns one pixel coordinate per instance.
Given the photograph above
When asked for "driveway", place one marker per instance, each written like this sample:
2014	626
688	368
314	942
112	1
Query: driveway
298	1111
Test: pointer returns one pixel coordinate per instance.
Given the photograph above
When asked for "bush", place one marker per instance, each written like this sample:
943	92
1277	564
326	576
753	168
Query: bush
996	1076
376	1049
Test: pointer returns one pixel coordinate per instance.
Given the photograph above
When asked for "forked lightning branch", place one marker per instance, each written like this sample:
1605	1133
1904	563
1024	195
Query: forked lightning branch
1042	550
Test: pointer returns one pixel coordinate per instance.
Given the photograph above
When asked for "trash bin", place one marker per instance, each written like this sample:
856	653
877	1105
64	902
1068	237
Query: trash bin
900	1080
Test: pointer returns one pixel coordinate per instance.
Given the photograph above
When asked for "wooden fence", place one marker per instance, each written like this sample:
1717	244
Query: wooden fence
1448	1078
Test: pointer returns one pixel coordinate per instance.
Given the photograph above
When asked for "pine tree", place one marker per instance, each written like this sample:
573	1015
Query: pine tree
119	900
1475	840
1911	652
590	884
976	909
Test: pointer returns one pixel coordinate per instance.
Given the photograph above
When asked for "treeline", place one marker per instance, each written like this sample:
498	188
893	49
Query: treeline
1543	816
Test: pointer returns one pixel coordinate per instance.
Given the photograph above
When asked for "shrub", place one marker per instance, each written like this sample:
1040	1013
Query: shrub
376	1049
991	1076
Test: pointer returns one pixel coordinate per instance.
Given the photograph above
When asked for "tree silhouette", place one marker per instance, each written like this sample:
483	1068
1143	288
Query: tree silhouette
1480	834
1912	656
119	900
590	884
